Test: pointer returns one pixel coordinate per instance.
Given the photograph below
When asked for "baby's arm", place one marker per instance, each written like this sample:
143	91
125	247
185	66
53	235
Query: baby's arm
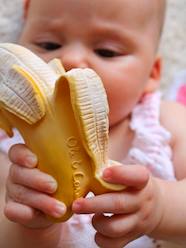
173	224
28	201
173	117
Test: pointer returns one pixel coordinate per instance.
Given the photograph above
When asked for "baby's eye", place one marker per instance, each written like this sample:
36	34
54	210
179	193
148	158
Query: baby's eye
49	46
107	53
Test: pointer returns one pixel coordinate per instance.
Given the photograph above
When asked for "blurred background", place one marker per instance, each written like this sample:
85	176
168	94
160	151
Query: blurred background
172	48
173	45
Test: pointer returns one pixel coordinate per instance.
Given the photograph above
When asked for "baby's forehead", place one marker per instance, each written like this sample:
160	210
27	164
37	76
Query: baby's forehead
143	7
141	10
139	14
149	13
132	13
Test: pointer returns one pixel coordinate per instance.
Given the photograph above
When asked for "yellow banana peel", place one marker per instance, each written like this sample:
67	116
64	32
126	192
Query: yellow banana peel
62	117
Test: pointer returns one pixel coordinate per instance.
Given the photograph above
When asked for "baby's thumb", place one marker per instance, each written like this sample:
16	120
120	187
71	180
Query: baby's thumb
21	155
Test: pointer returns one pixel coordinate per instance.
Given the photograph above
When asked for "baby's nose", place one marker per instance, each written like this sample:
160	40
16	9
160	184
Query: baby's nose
74	57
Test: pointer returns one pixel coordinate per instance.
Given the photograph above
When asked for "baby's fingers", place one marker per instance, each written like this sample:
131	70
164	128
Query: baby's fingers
130	175
25	215
36	200
121	203
32	178
21	155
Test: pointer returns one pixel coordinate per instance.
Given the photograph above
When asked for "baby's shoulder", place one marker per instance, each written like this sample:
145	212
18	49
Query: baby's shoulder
173	117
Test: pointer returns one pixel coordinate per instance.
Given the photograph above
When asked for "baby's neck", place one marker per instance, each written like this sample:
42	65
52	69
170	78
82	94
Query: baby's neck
120	140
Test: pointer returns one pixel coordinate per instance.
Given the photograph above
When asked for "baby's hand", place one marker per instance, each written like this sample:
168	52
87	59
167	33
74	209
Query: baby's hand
28	191
135	211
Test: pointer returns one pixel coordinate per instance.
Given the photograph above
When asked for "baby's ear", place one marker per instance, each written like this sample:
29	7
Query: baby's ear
25	8
155	76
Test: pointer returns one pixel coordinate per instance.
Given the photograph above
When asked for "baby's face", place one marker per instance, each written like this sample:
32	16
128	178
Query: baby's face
114	38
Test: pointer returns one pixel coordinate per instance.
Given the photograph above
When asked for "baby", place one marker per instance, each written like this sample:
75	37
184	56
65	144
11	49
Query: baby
119	40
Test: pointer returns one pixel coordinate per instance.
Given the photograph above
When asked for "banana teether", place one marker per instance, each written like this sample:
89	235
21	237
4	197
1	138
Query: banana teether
62	117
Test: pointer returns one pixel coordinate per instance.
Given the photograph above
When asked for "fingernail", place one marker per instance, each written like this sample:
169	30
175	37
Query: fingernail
76	206
31	160
60	209
107	174
52	185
